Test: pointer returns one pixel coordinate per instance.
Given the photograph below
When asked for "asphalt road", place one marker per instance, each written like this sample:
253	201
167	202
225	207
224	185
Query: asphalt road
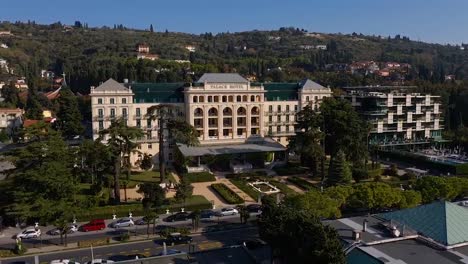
45	239
147	248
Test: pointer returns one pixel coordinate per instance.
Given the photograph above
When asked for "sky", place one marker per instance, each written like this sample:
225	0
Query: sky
439	21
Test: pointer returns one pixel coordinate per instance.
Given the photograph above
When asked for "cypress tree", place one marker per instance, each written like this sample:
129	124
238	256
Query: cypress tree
339	171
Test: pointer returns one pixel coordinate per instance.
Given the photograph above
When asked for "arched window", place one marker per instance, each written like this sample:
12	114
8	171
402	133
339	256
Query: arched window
227	111
252	98
258	98
195	99
307	98
213	112
201	99
255	111
245	98
216	98
239	98
241	111
231	99
198	112
210	99
224	99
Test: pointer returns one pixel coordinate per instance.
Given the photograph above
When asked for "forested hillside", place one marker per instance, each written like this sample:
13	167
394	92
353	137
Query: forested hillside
91	55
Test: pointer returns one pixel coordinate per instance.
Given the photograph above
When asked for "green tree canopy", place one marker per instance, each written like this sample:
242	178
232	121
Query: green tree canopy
69	118
297	236
339	170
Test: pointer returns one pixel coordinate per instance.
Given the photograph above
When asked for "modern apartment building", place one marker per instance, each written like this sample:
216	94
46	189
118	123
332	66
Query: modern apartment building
225	108
398	116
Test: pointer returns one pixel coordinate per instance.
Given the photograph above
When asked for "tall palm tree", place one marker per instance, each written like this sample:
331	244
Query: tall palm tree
120	140
170	127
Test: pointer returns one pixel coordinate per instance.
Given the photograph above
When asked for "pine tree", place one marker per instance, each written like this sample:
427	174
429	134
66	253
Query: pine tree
151	28
339	171
33	106
10	95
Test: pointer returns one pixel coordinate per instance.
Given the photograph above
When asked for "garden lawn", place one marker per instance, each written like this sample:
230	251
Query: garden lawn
243	186
283	188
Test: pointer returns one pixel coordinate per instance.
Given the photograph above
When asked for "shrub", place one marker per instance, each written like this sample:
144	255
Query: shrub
301	183
125	237
182	230
228	195
199	177
93	242
6	253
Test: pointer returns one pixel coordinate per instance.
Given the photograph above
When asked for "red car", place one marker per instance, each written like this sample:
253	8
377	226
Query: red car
97	224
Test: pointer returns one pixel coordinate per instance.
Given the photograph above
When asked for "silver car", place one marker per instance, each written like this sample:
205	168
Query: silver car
123	222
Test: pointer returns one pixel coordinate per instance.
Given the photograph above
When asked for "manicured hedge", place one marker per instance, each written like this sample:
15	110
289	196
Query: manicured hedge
290	169
228	195
93	242
301	183
6	253
199	177
196	202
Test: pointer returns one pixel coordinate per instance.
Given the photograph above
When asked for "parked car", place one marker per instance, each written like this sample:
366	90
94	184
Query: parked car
93	225
142	221
29	233
205	214
227	211
182	216
123	222
99	261
56	231
178	238
254	243
63	261
254	208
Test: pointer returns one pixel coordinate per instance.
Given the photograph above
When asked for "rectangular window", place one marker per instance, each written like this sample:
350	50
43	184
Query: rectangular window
287	128
112	113
148	123
287	108
124	113
279	108
112	101
138	112
124	100
100	113
138	123
270	108
278	129
99	100
295	108
270	119
150	146
226	132
240	131
101	125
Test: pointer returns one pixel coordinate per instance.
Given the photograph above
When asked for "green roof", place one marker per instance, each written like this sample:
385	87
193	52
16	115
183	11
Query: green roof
444	222
157	92
281	91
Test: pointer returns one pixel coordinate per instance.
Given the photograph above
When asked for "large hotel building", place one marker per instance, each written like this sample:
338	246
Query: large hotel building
233	115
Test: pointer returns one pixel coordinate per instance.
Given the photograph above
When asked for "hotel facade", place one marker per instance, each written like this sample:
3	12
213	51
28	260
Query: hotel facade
225	109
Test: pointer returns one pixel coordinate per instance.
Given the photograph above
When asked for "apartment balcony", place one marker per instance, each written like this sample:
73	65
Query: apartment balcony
281	134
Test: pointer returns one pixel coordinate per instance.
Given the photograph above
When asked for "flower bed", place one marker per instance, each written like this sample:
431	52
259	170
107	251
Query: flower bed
264	187
228	195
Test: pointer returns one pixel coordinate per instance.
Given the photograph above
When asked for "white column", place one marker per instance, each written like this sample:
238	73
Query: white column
249	125
205	122
220	121
234	121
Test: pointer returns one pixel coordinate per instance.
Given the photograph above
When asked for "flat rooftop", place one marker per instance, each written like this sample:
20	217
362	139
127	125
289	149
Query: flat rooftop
261	146
378	243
